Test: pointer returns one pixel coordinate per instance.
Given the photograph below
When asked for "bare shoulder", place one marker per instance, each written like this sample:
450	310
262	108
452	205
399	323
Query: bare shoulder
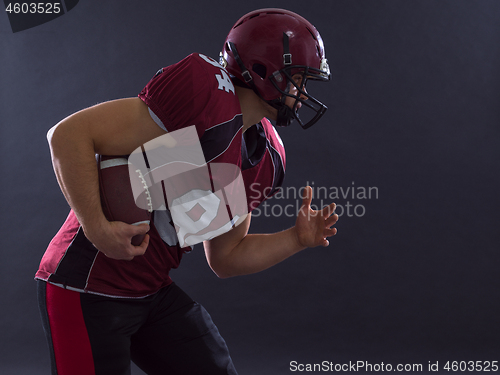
115	127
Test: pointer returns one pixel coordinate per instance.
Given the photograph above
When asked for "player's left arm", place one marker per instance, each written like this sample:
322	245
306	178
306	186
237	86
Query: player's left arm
239	253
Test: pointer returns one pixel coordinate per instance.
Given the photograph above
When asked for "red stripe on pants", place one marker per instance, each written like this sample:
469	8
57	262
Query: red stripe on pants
72	350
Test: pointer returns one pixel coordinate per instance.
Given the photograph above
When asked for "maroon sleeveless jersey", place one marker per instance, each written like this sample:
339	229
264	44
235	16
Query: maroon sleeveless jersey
195	91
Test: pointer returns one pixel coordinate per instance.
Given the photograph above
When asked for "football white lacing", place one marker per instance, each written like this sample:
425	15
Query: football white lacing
148	195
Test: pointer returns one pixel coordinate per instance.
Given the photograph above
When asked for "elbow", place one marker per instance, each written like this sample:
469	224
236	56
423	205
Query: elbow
225	275
222	275
222	258
50	135
221	267
51	131
222	272
66	136
57	138
54	141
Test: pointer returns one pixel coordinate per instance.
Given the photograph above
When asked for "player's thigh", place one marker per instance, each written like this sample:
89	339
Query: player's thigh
180	338
110	323
83	337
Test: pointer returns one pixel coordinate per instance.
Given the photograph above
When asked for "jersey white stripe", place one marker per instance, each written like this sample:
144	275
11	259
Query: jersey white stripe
113	163
157	120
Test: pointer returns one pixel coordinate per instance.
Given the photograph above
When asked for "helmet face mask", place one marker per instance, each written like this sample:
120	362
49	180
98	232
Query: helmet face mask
302	99
265	49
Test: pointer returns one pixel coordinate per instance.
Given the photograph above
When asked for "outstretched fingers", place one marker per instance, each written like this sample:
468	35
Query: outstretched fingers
329	210
315	226
307	197
330	219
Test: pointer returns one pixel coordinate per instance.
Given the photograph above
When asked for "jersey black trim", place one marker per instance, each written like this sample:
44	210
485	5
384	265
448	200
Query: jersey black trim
216	140
75	266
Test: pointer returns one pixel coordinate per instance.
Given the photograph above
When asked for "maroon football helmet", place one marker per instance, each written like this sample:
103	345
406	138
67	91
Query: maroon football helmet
266	48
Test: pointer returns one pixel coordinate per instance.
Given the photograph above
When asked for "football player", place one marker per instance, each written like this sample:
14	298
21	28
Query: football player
105	302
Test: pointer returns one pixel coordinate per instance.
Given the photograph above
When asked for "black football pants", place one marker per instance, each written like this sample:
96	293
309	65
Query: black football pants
166	333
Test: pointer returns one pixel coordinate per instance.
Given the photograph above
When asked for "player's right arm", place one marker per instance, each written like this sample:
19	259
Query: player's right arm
112	128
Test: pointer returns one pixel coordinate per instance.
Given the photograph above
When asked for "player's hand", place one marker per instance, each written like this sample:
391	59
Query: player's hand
313	227
114	238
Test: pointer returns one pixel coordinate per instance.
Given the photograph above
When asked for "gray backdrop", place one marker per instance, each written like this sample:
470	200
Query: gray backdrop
412	275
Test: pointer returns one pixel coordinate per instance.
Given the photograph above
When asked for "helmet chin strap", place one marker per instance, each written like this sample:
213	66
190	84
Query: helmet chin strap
285	115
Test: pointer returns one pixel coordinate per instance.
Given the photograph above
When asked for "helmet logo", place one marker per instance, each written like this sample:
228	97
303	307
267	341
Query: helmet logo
222	60
325	68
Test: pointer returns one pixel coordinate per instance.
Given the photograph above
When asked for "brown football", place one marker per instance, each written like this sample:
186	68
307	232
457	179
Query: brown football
117	198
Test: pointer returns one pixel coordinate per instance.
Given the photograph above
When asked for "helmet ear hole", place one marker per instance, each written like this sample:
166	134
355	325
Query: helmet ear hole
260	70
